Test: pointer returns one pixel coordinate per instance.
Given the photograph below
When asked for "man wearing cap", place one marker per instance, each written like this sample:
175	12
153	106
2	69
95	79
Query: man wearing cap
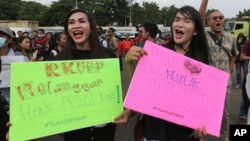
5	50
5	40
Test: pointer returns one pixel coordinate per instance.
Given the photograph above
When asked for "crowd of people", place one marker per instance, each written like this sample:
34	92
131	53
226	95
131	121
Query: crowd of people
81	39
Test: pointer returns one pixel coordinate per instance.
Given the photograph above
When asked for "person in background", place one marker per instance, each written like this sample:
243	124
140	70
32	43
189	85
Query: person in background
102	38
166	40
113	42
25	34
240	65
120	53
14	40
149	32
83	43
222	55
5	50
4	116
245	56
137	39
188	38
140	31
24	45
57	43
19	33
39	44
126	43
34	36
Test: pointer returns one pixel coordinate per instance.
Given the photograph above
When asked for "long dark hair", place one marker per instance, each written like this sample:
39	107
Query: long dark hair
97	51
54	38
198	48
20	40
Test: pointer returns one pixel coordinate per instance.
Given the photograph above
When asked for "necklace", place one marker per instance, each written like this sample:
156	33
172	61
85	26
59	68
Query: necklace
183	50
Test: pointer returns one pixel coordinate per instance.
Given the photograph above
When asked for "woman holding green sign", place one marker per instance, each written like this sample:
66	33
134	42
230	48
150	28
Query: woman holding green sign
83	43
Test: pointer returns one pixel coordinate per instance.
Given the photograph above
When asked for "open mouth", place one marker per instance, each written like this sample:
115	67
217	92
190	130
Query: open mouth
218	24
179	33
77	34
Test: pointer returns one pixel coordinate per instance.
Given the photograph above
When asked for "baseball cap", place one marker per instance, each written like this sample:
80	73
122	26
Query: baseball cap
6	30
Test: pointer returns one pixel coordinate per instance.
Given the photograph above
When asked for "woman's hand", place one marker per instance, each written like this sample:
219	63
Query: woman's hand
134	54
200	133
8	124
123	118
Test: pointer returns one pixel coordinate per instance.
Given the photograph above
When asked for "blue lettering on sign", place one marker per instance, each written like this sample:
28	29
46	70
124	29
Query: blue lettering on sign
182	79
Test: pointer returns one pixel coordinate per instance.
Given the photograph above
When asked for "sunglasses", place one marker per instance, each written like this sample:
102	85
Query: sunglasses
215	18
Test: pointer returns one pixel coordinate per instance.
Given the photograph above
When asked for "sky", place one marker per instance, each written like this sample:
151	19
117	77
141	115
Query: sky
230	8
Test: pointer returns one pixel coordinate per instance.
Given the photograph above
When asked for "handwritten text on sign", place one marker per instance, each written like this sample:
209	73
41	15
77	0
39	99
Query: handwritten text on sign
175	88
54	97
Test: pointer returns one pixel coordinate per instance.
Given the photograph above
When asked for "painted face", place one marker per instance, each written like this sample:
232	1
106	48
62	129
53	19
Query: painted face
79	28
216	21
25	44
183	29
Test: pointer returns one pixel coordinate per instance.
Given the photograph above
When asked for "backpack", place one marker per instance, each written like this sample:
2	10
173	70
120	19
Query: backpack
102	39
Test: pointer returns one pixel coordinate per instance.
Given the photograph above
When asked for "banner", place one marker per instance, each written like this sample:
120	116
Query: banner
170	86
5	74
58	96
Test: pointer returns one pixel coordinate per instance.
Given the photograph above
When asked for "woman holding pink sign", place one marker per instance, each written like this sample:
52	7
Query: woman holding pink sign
188	38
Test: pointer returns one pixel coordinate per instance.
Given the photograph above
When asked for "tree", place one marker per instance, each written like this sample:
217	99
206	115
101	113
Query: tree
151	12
167	14
9	9
244	13
57	13
31	11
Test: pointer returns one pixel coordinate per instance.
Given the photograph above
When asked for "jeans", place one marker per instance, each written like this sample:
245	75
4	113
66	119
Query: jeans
240	65
224	131
242	109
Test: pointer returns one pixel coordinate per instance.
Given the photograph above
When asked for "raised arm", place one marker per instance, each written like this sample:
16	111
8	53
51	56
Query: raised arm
202	10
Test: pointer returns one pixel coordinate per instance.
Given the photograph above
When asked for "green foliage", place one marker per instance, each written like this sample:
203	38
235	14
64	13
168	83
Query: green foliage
31	11
106	12
243	13
9	9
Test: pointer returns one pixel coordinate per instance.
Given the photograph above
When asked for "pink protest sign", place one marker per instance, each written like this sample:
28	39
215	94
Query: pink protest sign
170	86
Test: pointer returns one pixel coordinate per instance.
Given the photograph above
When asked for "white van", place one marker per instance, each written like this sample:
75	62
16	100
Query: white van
16	29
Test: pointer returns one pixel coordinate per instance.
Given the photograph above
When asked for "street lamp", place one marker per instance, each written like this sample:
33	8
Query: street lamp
76	5
130	13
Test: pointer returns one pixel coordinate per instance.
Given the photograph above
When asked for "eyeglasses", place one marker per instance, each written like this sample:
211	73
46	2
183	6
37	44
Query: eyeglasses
215	18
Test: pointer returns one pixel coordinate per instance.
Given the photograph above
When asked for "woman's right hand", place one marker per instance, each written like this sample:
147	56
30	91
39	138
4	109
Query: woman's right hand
8	124
134	54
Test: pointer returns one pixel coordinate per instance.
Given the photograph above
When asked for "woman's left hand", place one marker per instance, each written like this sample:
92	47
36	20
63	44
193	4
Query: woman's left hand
200	133
123	118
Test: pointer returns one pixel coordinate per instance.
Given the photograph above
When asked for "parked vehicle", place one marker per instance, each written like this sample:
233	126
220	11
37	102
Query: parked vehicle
239	26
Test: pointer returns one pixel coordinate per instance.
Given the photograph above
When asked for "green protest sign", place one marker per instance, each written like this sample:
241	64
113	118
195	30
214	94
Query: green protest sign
57	96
